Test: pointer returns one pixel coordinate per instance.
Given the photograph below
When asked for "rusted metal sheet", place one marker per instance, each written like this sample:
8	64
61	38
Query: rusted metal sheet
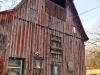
27	36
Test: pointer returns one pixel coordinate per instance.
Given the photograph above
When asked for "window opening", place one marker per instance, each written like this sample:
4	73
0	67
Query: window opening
55	46
62	3
32	13
38	63
15	67
55	69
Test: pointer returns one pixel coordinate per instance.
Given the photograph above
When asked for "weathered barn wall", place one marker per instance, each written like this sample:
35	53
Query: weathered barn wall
27	35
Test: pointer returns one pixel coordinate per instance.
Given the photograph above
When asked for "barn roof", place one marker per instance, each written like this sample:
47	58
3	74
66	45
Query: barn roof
73	8
79	21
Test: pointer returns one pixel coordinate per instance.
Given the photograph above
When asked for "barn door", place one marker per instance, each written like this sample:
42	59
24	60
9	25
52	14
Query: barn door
1	66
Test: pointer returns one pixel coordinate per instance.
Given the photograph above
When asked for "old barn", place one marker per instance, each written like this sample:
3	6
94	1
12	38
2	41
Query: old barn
42	37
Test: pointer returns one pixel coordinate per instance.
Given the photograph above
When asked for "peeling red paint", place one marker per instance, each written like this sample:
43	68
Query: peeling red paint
29	35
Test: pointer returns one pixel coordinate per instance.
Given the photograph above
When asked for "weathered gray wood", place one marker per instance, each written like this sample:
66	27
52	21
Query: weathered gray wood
28	36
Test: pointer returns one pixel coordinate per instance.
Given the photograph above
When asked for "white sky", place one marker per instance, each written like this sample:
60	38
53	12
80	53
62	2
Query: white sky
7	4
88	19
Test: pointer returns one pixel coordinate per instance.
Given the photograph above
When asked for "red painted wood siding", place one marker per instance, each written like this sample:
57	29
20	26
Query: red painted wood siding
1	66
28	35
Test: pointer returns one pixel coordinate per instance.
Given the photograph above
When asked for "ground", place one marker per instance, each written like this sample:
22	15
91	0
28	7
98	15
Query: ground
94	71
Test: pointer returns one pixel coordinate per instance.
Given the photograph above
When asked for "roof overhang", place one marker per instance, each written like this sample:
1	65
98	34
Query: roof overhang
78	19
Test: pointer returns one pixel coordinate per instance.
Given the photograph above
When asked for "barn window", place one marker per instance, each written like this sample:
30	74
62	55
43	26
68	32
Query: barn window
38	63
55	69
32	13
55	46
62	3
15	67
70	67
74	30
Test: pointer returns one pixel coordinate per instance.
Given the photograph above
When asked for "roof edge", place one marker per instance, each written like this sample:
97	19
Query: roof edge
76	13
10	10
19	4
